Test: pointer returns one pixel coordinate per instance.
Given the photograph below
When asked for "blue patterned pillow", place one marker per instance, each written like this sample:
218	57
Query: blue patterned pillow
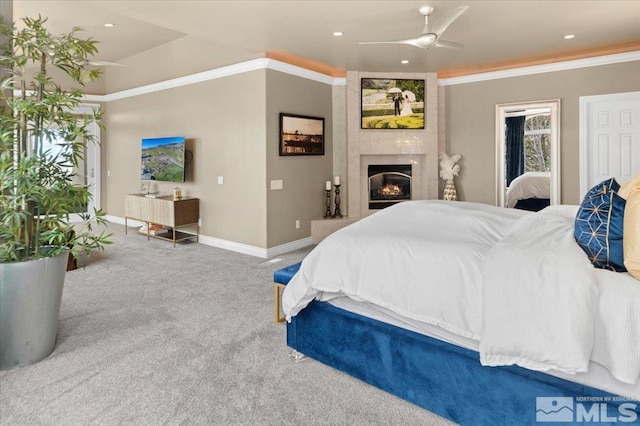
603	187
599	226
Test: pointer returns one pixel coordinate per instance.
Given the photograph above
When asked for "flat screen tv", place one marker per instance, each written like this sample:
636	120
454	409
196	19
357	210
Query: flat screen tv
163	159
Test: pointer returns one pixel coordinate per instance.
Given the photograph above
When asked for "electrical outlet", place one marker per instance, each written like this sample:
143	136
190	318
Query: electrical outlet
297	223
220	180
199	222
108	173
276	184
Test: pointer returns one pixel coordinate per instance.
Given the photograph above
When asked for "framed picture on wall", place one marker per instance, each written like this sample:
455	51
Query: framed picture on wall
392	104
301	135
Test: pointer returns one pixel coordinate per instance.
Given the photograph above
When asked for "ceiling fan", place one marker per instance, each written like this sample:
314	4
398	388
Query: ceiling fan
430	35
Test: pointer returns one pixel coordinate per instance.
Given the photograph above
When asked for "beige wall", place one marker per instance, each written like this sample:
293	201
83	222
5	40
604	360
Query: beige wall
232	126
224	122
302	196
470	121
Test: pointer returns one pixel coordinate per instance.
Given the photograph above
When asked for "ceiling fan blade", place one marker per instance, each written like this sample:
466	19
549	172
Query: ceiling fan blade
383	42
411	41
423	41
445	20
447	43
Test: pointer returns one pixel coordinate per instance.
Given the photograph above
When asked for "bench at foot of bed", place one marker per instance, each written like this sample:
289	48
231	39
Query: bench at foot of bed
280	279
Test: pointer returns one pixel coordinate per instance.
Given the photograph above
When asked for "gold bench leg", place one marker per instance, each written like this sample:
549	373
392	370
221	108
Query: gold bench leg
277	289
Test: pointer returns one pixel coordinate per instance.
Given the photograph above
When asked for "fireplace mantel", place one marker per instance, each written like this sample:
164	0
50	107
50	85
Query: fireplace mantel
418	147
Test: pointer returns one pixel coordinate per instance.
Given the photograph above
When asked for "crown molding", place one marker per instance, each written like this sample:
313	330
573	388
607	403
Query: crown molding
305	63
226	71
544	68
275	65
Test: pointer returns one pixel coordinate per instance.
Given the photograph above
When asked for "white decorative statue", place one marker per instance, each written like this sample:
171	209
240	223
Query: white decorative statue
449	169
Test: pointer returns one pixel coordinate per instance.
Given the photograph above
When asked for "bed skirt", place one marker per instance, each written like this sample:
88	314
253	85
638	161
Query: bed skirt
443	378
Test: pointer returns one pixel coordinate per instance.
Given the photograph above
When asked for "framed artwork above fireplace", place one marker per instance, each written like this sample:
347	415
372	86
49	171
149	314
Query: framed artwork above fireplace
392	104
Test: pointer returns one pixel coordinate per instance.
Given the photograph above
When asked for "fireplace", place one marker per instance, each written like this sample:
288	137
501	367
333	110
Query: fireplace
389	184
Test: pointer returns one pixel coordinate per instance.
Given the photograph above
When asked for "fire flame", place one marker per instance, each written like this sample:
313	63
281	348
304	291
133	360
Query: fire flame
391	190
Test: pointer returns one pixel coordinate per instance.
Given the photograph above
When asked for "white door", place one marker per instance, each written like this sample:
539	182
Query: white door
91	169
87	172
609	138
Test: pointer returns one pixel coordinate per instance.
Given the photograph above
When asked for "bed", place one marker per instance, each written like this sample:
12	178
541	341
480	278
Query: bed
471	311
529	191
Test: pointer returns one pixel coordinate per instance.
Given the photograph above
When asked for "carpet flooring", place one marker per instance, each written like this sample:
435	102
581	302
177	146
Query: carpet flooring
155	335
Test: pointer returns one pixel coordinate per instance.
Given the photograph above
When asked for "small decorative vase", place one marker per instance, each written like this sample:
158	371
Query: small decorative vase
450	193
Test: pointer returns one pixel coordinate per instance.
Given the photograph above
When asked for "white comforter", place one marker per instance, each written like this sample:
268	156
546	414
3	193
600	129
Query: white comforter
545	307
539	297
421	259
513	280
529	185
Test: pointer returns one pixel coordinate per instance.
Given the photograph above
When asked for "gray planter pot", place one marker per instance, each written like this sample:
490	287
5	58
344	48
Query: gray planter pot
30	295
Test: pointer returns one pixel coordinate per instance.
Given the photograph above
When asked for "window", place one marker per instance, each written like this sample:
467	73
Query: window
537	143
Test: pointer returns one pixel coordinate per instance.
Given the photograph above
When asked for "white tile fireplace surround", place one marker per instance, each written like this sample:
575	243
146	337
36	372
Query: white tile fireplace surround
418	147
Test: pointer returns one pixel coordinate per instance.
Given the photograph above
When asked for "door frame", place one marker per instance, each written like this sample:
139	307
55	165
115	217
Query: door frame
502	110
92	159
585	103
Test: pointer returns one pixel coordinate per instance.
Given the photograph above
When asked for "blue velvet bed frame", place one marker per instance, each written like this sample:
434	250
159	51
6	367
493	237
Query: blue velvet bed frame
440	377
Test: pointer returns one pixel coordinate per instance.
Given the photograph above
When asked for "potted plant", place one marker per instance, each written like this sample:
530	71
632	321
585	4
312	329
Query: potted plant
41	143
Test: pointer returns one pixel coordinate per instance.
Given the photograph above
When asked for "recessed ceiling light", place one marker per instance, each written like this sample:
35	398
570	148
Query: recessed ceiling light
108	25
404	61
337	33
569	36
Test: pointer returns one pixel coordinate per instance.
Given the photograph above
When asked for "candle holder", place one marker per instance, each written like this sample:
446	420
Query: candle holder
338	213
327	214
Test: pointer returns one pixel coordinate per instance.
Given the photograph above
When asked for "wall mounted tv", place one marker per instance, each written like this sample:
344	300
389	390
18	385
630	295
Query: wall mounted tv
163	159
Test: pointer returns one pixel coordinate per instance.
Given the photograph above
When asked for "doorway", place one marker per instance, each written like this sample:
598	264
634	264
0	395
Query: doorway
87	171
609	138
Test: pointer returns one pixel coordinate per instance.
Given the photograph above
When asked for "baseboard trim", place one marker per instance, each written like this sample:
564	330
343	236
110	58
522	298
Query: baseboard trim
288	247
232	245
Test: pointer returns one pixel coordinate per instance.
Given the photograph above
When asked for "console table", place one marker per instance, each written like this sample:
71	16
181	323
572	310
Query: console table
165	211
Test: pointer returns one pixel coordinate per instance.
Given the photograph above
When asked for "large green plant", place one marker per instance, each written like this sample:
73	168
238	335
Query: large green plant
37	190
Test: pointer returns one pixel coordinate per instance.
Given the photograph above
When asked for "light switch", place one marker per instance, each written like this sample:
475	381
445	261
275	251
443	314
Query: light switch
220	180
